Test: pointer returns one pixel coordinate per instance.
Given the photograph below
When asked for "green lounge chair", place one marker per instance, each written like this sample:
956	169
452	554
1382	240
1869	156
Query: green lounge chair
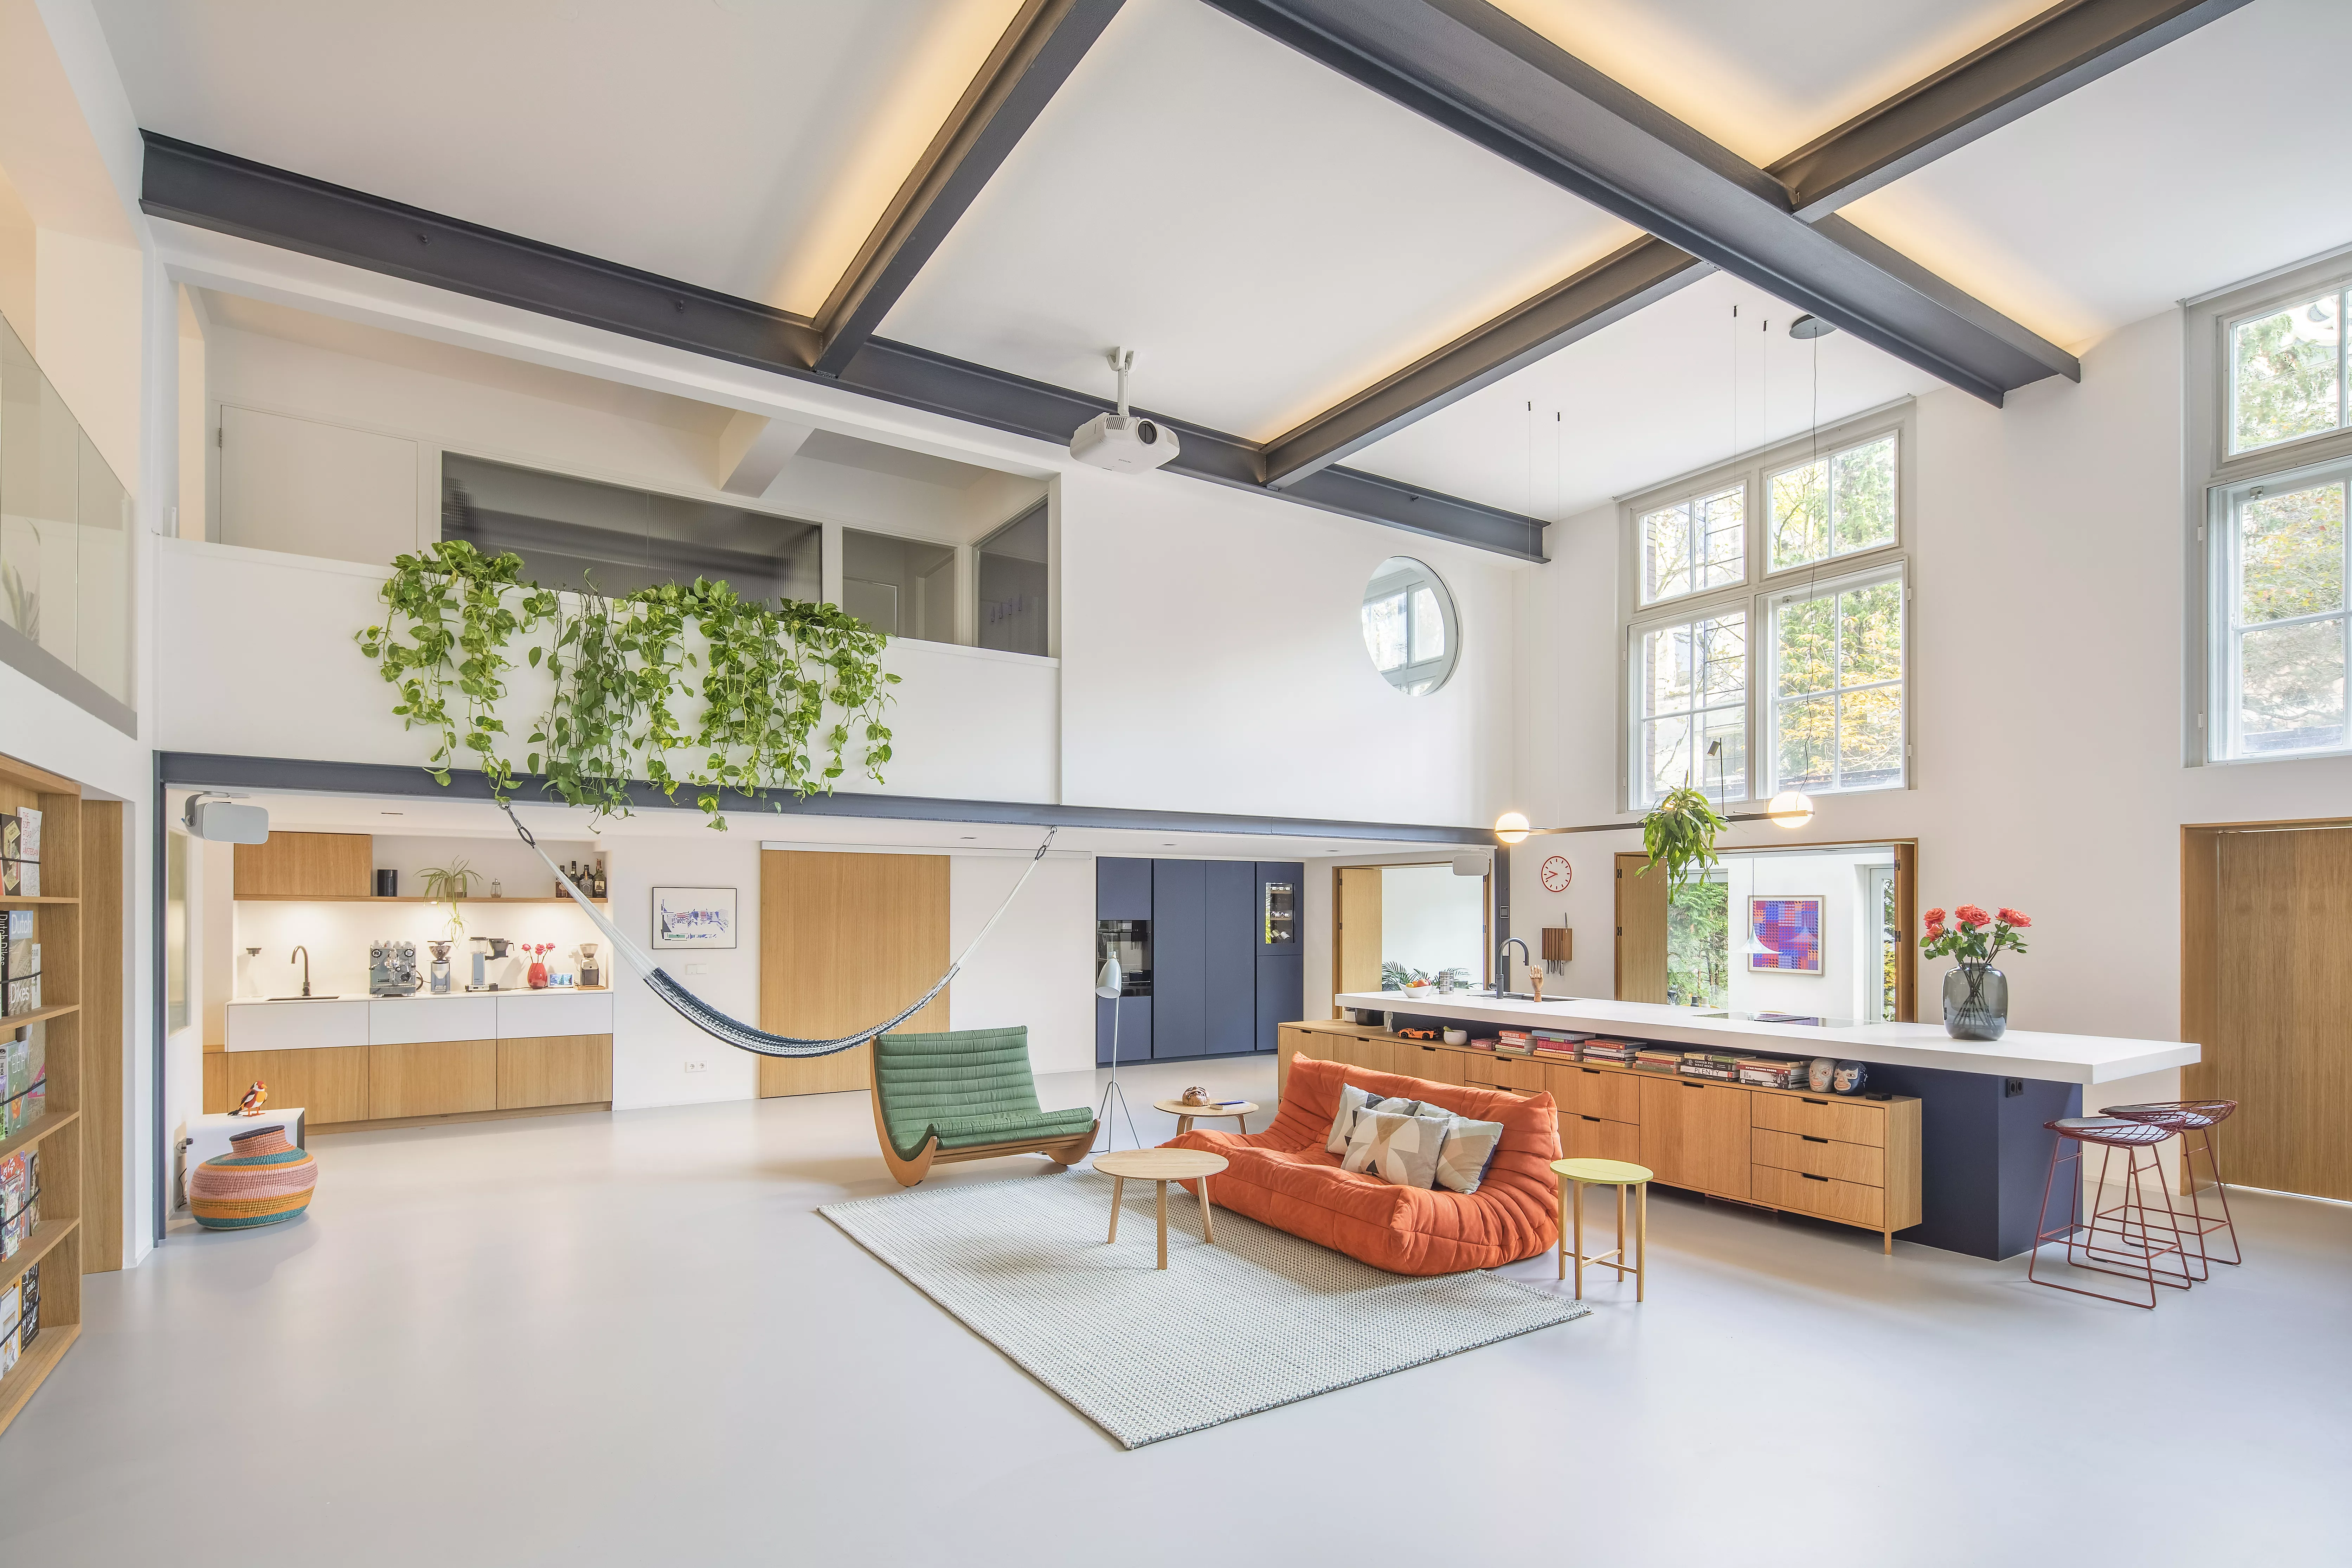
967	1094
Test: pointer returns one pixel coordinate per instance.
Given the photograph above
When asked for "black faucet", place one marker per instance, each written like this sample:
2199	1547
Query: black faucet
306	966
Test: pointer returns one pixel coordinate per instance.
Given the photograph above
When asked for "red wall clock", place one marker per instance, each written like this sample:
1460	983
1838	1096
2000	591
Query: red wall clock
1557	874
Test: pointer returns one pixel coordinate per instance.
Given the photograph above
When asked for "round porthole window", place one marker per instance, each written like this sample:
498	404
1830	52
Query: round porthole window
1410	626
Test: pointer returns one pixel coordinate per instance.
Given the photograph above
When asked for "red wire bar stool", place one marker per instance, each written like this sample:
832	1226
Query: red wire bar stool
2139	1253
2200	1117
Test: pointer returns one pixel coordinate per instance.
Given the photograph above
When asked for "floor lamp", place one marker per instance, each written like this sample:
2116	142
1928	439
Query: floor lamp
1108	985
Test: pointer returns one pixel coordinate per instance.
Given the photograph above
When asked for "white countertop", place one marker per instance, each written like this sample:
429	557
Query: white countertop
455	994
2020	1053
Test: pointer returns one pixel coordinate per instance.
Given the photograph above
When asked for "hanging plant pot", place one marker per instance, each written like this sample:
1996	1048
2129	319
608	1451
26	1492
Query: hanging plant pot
1679	834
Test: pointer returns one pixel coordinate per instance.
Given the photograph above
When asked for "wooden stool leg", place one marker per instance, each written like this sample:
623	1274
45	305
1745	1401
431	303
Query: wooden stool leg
1118	1186
1562	1247
1620	1233
1641	1240
1207	1224
1163	1224
1580	1241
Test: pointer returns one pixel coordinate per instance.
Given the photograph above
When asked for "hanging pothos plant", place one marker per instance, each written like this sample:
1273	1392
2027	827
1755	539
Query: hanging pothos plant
767	674
1679	834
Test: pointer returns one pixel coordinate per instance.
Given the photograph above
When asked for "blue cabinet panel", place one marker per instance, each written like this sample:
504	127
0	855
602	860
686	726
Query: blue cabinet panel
1180	958
1134	1029
1230	1018
1281	995
1122	889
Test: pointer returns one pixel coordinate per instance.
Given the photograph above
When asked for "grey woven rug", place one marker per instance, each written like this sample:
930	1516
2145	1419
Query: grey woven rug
1259	1319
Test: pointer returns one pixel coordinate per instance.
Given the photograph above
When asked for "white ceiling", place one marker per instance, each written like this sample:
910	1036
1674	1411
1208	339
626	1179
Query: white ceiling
2218	157
1681	385
1267	236
745	145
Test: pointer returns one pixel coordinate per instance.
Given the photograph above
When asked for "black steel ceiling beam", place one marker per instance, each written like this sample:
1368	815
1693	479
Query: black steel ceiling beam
2038	62
1478	71
213	190
1038	52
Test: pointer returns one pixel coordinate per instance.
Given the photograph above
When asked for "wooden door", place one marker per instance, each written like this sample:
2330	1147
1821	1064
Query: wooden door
1356	941
1640	930
2280	988
1694	1134
846	941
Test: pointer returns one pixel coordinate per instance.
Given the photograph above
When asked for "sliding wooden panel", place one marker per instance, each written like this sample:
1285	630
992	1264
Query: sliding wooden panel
1906	934
307	865
329	1083
846	941
1640	930
103	1039
555	1069
2274	1025
1356	939
437	1078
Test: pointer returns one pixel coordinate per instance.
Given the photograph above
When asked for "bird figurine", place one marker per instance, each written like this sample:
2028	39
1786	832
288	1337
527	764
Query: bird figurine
255	1099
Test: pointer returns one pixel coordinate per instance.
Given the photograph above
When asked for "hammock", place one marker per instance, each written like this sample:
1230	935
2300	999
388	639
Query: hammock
718	1024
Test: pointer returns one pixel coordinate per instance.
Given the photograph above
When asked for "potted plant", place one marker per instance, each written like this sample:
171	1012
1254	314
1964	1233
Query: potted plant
449	885
1679	834
1975	994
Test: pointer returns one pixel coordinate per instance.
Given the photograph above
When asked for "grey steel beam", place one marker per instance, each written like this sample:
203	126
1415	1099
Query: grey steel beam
212	190
1038	52
2036	63
1609	290
1470	66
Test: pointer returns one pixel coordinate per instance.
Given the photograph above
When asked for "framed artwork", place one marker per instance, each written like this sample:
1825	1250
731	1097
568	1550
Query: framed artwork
694	917
1788	928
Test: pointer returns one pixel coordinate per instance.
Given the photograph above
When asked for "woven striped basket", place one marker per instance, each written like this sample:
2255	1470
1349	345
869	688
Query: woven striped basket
261	1179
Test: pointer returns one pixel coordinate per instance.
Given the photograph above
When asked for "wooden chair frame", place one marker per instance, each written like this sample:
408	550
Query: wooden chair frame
1067	1151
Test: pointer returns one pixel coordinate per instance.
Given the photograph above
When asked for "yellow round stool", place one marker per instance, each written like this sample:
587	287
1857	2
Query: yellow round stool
1575	1176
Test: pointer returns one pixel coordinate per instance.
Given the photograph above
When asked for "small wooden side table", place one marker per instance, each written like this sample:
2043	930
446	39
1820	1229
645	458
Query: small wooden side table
1574	1176
1240	1111
1163	1167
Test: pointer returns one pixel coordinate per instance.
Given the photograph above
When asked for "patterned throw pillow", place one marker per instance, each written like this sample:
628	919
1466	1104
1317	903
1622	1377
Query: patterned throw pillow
1353	1100
1469	1148
1401	1150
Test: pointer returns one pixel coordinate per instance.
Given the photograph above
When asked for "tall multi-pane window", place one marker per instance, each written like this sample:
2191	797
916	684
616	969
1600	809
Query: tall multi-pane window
2283	652
2286	373
1768	610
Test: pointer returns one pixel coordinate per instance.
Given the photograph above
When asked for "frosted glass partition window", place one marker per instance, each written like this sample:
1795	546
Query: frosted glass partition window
575	534
2279	575
1014	582
900	587
64	532
1410	629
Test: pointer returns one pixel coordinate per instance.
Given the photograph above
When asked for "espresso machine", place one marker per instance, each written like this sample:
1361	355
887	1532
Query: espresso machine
392	967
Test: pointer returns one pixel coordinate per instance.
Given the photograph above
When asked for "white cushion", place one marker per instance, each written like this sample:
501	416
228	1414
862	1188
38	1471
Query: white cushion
1401	1150
1468	1150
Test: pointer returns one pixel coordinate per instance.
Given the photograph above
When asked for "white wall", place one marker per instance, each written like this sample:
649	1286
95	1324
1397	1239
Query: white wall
2047	626
1433	919
1038	967
1848	930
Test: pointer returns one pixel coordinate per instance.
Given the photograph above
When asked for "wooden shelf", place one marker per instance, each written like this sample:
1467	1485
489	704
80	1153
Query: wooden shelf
14	901
18	1020
47	1352
49	1121
396	898
37	1245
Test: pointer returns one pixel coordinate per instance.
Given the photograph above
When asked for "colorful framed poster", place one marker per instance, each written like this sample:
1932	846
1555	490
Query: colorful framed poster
694	917
1788	931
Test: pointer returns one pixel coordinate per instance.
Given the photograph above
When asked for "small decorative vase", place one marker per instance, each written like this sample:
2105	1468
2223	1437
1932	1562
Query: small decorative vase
1976	1003
261	1179
537	977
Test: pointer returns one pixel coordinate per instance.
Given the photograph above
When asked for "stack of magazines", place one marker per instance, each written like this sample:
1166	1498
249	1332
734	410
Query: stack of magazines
1772	1072
1657	1058
1601	1048
1557	1043
1513	1042
1709	1064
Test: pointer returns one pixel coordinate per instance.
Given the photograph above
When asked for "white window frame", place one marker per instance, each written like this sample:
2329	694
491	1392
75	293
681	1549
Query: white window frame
1748	495
1678	612
1894	570
2226	635
1760	590
1438	669
2214	475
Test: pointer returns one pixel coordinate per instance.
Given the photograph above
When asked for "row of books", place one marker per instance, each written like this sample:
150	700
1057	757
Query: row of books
20	1200
20	853
1568	1044
24	1078
20	1318
20	964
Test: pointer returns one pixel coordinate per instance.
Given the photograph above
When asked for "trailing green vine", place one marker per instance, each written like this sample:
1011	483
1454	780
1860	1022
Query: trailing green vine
767	674
1679	834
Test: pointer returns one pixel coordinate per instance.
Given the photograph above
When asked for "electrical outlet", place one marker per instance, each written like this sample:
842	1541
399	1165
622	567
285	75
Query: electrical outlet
698	969
697	1066
2011	1087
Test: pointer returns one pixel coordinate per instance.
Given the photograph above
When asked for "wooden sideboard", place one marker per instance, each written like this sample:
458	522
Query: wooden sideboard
1856	1162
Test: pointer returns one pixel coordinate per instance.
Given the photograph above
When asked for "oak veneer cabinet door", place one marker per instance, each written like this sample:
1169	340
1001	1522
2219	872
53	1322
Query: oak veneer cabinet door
437	1077
554	1070
1640	930
307	865
846	941
329	1083
1694	1134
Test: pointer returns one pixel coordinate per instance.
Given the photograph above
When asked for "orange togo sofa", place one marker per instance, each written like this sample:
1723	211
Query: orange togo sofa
1285	1177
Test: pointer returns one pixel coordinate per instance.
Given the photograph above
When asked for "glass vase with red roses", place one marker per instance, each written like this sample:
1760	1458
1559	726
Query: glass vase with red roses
1975	994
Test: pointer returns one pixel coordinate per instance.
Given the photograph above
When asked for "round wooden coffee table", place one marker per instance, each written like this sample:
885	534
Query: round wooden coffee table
1240	1111
1163	1167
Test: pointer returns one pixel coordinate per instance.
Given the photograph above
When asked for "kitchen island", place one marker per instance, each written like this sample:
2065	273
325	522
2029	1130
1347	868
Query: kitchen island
1983	1154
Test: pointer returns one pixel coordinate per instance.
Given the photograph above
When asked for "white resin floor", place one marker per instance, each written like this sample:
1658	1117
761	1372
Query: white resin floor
630	1340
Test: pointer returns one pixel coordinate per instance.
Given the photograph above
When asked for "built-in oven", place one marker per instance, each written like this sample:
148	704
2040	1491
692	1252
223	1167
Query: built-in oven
1129	941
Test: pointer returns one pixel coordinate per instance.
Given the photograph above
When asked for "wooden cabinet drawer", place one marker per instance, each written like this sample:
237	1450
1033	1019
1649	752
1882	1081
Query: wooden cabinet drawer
1374	1055
1821	1117
1591	1091
1820	1156
329	1082
1695	1134
1848	1200
1434	1063
437	1078
1595	1138
557	1069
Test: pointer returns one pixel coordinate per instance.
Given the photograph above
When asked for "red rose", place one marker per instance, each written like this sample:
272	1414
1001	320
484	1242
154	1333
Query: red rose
1971	916
2013	917
1934	917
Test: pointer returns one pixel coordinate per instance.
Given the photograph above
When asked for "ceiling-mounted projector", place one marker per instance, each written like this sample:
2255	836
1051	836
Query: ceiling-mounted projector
1122	442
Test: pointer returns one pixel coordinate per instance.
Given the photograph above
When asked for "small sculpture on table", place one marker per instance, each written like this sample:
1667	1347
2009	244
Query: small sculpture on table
1196	1095
255	1099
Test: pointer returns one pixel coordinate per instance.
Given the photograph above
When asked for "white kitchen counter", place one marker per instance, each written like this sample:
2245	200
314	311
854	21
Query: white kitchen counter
2020	1053
259	1024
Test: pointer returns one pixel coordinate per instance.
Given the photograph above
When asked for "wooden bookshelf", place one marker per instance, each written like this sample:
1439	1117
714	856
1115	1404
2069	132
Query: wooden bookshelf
79	1135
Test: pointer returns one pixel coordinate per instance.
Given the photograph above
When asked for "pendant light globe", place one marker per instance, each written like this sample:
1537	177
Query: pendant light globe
1792	809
